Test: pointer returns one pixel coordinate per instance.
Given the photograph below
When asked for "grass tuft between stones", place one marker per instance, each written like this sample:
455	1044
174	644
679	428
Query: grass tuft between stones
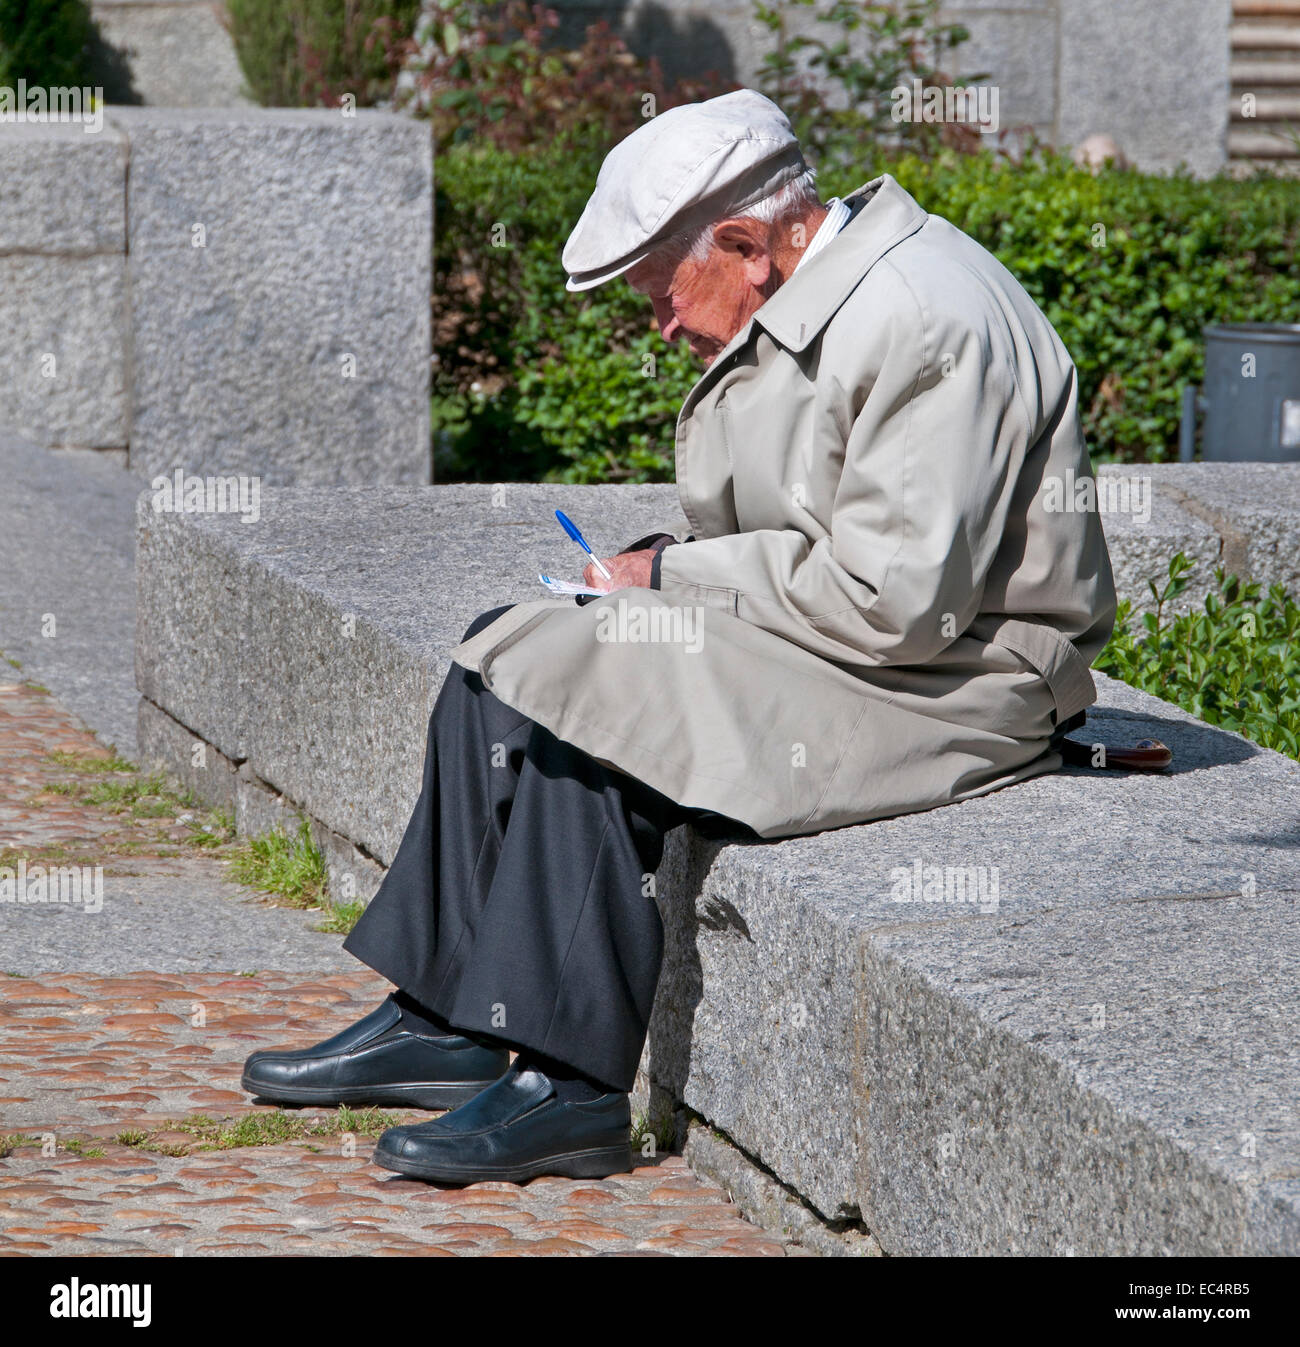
111	782
662	1129
209	1134
292	869
90	762
91	1150
258	1129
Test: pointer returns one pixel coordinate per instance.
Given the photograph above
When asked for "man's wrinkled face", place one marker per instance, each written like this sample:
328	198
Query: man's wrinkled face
707	302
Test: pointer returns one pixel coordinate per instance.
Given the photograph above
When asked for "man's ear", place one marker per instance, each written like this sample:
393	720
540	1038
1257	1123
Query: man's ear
748	238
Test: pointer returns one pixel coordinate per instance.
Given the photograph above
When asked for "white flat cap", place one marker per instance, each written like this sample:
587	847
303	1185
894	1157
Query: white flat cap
683	169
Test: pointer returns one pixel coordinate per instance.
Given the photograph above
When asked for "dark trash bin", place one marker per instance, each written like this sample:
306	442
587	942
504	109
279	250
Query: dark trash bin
1251	395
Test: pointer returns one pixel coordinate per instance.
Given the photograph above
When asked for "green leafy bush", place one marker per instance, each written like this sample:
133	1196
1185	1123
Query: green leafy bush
304	53
534	382
1236	664
45	42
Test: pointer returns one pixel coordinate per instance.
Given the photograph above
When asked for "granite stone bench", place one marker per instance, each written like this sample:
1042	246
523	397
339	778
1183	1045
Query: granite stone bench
1092	1048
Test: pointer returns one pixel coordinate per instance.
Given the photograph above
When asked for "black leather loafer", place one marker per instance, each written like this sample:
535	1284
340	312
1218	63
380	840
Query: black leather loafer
514	1131
377	1061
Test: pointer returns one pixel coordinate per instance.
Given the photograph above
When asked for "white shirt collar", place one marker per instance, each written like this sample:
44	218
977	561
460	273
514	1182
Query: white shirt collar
837	216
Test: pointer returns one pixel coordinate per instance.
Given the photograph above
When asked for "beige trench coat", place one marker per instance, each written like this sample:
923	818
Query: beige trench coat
875	613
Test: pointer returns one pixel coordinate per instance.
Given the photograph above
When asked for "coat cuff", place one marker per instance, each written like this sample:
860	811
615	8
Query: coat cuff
711	596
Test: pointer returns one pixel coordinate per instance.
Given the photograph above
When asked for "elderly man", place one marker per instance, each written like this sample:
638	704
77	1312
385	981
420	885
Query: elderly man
871	611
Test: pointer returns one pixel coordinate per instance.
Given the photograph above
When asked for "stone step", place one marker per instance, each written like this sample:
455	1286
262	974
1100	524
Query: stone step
1253	74
1104	1058
1266	9
1270	108
1274	37
1260	145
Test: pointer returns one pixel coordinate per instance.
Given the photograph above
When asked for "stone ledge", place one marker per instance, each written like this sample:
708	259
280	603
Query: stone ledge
320	664
1104	1061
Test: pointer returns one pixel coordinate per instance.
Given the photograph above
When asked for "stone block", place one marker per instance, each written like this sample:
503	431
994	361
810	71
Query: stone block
1153	75
1142	543
63	365
947	1075
177	54
766	1202
166	743
39	210
1255	509
293	344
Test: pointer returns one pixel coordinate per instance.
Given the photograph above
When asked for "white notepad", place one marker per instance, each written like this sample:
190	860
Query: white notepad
566	587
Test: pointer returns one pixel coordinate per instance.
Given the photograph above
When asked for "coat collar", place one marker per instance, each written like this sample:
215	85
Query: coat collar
803	306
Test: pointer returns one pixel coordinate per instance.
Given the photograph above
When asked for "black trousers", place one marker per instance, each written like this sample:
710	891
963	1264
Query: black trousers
520	903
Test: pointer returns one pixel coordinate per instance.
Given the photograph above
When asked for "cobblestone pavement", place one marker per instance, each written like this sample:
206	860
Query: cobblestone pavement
112	1087
123	1129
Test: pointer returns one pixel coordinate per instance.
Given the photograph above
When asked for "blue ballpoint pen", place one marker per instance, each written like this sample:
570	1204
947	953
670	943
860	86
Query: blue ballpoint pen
572	530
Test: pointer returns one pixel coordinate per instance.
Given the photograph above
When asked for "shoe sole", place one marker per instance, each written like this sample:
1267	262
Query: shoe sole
590	1164
423	1094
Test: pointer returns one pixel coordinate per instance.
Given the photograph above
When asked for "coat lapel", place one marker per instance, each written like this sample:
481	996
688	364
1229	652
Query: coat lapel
802	307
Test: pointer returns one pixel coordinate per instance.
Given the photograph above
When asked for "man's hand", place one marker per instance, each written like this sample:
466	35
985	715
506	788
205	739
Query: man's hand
630	570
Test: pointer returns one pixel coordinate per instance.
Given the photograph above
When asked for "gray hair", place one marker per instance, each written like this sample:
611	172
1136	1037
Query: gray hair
796	198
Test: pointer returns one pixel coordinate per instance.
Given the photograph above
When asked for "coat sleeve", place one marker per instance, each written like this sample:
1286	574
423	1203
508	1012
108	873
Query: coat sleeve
935	433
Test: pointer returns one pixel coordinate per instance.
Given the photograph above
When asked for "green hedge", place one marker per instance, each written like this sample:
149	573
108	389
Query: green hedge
45	42
532	382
